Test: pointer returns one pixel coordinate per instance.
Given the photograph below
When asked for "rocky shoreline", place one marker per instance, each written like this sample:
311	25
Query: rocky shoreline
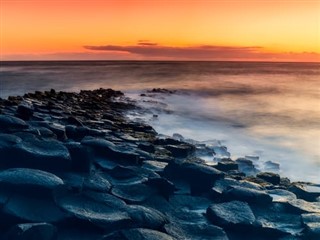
74	167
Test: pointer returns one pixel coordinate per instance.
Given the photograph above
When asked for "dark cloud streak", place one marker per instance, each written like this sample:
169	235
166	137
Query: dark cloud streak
149	49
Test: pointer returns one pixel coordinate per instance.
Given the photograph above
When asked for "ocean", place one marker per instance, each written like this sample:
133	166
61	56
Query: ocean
267	110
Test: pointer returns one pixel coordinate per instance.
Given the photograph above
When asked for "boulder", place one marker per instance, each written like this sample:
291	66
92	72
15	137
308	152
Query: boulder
281	195
48	155
25	110
133	193
31	231
162	185
80	157
269	177
194	231
29	179
312	223
11	124
22	208
95	213
234	214
247	194
138	234
181	151
146	217
226	165
111	151
306	191
200	177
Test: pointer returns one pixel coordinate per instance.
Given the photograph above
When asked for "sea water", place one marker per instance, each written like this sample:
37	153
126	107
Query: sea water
268	110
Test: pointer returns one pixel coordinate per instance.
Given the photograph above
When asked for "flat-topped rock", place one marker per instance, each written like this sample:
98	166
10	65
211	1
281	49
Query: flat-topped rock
234	214
138	234
29	179
146	217
21	208
30	231
312	223
44	154
11	124
194	231
133	193
247	194
96	213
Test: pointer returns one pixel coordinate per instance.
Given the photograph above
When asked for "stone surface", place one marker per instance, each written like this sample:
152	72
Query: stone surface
231	214
31	231
29	179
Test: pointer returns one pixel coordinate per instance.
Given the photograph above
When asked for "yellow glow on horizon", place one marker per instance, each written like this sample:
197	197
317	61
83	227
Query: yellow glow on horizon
47	26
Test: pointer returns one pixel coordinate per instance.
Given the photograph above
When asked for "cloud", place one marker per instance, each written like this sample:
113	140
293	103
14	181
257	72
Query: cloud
148	49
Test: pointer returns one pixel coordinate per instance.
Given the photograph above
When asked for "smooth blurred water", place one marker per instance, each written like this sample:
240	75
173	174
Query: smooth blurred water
267	109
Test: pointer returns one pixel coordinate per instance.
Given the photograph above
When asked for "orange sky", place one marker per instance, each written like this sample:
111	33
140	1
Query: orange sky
175	29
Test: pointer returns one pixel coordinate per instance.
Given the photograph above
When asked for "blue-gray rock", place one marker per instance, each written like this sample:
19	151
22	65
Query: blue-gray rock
31	231
234	214
200	177
306	191
146	217
29	179
247	194
269	177
80	157
312	224
138	234
49	155
22	208
111	151
194	231
95	213
133	193
11	124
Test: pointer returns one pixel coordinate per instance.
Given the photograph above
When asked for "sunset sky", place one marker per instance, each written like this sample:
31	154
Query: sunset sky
266	30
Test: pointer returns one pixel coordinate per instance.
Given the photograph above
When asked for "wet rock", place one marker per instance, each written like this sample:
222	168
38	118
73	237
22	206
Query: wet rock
181	151
306	191
187	209
106	199
49	155
74	121
162	185
111	151
234	214
91	212
191	231
146	217
25	110
133	193
269	177
21	208
29	179
312	223
226	165
138	234
302	206
276	221
31	231
148	147
11	124
199	176
156	166
246	166
80	157
281	195
96	182
247	194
